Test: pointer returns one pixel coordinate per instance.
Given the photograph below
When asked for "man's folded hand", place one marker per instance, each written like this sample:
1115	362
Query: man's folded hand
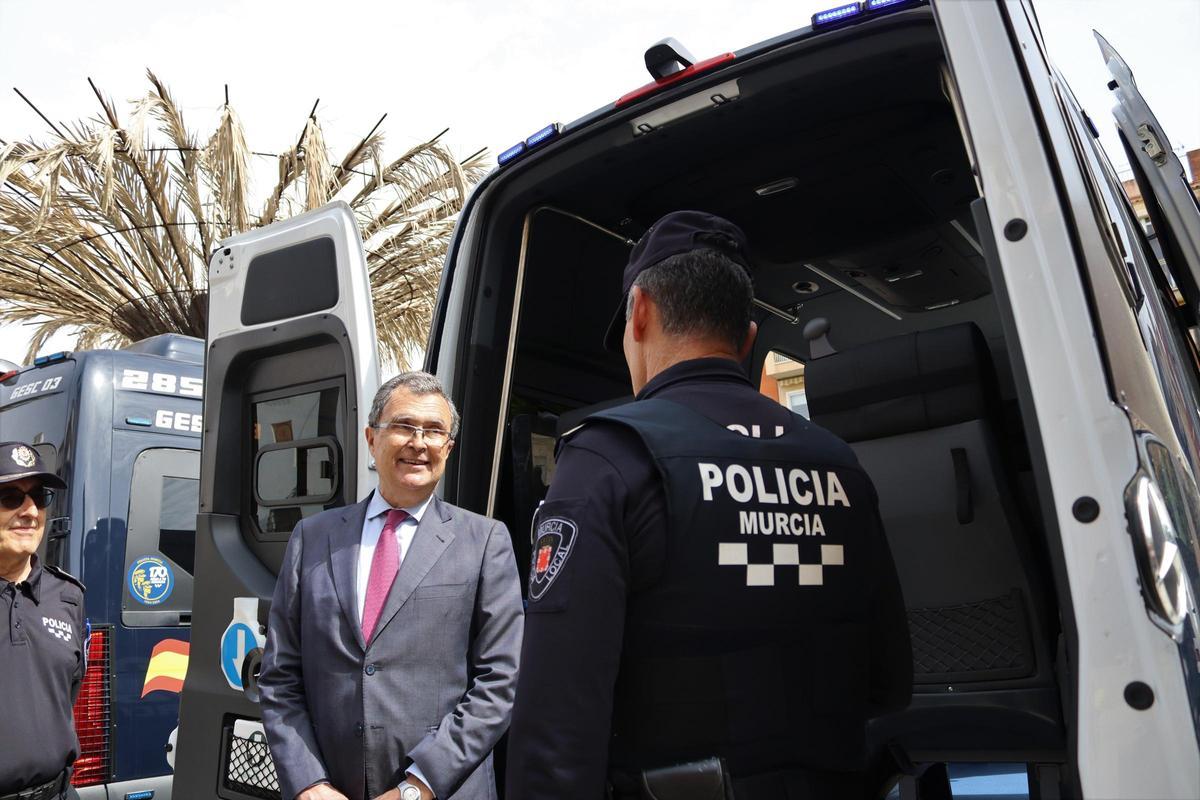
321	791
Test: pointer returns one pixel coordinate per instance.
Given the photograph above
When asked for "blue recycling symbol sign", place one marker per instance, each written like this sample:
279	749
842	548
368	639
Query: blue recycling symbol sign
239	639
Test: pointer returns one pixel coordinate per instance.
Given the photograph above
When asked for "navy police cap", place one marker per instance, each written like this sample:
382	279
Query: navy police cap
18	460
676	233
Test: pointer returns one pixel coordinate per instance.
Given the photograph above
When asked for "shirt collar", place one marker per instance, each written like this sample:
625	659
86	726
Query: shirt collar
702	369
35	581
378	507
32	585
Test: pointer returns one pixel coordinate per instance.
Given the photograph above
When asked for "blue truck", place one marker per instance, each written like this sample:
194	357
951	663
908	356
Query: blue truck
122	428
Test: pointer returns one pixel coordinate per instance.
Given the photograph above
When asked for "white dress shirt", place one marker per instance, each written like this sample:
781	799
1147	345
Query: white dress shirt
372	529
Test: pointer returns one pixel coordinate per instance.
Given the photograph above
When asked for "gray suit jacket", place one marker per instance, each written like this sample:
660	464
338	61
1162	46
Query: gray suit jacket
434	685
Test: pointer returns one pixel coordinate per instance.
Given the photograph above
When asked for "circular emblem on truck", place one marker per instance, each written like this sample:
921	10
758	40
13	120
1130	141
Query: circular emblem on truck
23	456
151	580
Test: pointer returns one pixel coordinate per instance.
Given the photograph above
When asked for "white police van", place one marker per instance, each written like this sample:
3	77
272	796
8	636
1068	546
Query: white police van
986	324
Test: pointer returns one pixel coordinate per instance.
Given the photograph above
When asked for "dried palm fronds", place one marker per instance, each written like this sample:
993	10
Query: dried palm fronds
105	230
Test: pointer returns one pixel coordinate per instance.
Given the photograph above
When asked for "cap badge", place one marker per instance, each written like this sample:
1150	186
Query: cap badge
23	456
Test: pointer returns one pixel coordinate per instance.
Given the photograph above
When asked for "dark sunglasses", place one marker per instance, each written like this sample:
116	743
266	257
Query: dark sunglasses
12	499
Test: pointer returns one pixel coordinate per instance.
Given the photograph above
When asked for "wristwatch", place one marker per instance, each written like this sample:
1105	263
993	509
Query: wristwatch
409	792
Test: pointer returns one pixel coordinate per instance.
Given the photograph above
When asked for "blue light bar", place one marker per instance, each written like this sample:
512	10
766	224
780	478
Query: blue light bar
142	421
545	134
42	361
876	5
833	16
511	153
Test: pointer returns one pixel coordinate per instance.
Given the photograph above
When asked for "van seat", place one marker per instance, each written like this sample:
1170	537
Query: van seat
921	412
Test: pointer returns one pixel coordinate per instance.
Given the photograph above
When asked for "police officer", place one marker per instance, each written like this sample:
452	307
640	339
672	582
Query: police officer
43	650
710	583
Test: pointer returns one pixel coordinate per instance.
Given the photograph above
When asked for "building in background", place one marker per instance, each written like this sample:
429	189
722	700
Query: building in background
783	380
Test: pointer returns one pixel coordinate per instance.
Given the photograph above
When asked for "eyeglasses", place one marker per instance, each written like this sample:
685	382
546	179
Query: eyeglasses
434	437
14	498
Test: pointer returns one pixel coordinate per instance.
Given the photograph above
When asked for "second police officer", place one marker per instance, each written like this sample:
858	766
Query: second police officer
710	582
43	649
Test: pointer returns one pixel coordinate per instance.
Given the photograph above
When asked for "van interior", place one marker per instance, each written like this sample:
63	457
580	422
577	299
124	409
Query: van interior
843	161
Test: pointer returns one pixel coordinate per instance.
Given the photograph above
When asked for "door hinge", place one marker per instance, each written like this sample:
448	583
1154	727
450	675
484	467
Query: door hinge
1150	144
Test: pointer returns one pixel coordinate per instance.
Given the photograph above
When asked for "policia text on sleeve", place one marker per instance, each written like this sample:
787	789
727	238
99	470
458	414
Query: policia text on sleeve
709	576
44	644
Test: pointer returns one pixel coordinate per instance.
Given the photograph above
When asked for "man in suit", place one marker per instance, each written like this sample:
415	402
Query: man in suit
395	630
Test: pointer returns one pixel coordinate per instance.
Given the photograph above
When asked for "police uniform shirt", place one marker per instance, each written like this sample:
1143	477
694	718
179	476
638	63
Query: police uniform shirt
611	491
42	661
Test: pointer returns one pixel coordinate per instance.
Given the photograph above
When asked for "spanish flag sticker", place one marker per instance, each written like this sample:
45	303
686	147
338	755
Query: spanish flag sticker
167	667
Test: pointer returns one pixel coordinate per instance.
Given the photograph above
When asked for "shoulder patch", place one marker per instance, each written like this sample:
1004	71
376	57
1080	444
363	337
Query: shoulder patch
66	576
553	541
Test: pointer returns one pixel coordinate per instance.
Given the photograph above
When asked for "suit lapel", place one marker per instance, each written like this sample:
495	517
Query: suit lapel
431	539
343	560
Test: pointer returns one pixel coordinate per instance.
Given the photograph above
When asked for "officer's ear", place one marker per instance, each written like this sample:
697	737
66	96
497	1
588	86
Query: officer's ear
748	343
640	317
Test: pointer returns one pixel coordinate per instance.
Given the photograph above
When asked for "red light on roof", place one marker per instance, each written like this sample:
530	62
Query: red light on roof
5	376
675	77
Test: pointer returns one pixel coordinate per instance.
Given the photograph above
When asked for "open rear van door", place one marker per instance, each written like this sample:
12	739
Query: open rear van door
1160	175
290	373
1100	396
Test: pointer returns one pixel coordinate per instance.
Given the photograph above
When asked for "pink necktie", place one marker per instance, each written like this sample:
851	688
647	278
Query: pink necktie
384	566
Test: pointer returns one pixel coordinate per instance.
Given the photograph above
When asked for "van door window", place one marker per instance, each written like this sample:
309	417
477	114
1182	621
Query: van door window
177	521
295	457
160	539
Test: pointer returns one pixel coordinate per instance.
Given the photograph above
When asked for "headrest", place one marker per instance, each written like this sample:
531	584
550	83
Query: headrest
916	382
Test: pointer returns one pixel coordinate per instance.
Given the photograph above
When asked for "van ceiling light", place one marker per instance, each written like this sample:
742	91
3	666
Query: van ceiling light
53	358
511	153
943	304
903	276
775	187
545	134
833	16
879	5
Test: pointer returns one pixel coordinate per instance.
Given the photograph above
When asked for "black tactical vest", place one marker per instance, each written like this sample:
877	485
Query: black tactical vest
753	645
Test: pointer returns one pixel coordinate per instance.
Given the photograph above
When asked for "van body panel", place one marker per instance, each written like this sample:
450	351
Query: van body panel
994	51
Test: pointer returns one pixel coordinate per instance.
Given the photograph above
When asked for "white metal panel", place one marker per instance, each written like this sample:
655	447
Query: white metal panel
1121	752
227	282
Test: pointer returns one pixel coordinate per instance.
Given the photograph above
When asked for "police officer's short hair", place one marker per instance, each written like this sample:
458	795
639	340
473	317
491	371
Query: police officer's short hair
700	293
419	383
